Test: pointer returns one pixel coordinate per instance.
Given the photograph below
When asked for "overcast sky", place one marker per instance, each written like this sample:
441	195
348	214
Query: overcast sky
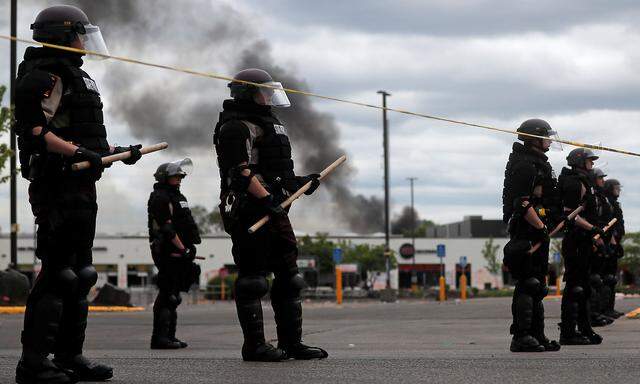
574	63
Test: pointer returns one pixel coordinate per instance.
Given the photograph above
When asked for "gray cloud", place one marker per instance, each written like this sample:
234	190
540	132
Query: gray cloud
448	18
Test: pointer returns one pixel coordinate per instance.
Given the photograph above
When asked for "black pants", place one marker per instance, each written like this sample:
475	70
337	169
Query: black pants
56	314
165	314
527	306
577	251
273	248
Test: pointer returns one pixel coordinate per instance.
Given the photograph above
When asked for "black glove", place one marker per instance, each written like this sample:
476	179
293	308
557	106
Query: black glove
135	153
314	178
189	253
193	251
596	231
542	235
272	207
83	154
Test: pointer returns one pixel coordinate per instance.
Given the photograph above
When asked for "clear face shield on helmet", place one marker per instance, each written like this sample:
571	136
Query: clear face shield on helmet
554	145
92	41
180	167
273	95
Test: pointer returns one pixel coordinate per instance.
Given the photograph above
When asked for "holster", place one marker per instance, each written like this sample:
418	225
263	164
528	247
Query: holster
230	206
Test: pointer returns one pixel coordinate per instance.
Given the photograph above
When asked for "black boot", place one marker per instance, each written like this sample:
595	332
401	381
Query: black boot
172	329
288	316
569	335
525	343
41	322
160	338
43	372
537	328
255	348
84	369
70	342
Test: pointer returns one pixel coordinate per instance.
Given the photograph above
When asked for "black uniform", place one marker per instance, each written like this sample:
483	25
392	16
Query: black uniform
169	215
63	203
251	133
526	170
600	258
610	265
577	250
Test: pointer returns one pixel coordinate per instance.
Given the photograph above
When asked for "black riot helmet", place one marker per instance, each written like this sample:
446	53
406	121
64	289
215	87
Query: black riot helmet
612	184
272	94
177	168
598	173
578	156
536	127
63	24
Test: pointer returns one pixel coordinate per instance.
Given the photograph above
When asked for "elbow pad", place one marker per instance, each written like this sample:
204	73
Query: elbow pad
168	230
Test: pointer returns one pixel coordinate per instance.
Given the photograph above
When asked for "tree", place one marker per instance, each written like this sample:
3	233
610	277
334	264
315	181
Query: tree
208	222
631	260
6	119
490	254
370	258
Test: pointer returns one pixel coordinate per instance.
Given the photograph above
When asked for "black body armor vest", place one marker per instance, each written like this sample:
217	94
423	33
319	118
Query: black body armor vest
604	209
550	200
575	177
182	220
78	118
272	149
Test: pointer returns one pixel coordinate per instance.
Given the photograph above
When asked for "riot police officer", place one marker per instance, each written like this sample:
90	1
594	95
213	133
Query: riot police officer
257	174
173	234
59	121
577	248
610	268
600	254
530	207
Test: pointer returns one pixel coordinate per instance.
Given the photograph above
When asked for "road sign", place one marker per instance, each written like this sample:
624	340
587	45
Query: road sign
407	251
337	255
463	262
348	268
441	250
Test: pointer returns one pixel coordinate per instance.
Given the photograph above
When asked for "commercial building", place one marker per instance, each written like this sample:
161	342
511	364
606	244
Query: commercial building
125	261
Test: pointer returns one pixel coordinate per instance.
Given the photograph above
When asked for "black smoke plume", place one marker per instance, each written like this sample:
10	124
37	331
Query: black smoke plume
183	110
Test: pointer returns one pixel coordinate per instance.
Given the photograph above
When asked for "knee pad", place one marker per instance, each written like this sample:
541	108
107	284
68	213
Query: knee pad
532	286
87	278
251	287
610	280
174	300
577	292
595	280
288	286
66	281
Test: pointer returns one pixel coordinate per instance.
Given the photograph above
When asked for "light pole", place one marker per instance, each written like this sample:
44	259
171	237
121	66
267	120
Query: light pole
414	274
385	144
12	139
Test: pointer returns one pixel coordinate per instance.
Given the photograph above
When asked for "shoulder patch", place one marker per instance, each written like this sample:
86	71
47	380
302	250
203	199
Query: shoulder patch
91	85
280	129
184	204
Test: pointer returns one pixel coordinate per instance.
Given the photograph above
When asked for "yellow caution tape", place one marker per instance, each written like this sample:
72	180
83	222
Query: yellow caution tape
311	94
16	310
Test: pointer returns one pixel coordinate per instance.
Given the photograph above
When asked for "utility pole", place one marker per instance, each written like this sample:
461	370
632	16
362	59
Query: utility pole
414	275
385	144
12	138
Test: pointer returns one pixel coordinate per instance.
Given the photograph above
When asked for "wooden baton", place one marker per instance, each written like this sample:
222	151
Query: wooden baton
607	228
120	156
299	192
559	227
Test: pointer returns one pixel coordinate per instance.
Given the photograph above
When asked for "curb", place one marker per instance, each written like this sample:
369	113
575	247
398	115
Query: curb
20	309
